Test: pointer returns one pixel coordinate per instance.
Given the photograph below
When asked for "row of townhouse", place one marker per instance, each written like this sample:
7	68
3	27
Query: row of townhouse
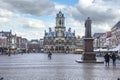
116	35
108	40
11	42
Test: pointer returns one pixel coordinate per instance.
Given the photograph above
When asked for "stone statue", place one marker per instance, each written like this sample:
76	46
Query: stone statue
88	28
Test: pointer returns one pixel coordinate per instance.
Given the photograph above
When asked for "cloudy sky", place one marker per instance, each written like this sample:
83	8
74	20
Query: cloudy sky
29	18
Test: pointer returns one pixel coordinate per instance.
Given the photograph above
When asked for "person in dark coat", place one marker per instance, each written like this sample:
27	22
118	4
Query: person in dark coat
113	59
49	55
107	59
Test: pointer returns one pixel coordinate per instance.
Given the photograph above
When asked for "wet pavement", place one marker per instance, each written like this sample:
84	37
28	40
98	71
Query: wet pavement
60	67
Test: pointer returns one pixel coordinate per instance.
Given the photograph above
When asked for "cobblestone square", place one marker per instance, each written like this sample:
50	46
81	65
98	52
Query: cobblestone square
60	67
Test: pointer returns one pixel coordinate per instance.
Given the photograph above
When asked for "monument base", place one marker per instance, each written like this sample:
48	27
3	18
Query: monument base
89	61
89	56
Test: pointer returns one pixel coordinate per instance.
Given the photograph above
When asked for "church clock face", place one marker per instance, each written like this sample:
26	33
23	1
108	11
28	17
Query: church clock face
60	15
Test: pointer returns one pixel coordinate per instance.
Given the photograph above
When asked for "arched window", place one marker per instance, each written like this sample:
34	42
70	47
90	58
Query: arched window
60	22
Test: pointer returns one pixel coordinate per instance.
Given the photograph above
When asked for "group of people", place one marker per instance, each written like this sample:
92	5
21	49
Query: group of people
107	59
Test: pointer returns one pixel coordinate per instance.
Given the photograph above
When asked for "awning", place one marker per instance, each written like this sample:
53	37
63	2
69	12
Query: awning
116	49
60	38
79	50
101	49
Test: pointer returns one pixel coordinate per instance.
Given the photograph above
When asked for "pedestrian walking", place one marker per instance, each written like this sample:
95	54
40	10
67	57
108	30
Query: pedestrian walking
107	59
113	59
49	55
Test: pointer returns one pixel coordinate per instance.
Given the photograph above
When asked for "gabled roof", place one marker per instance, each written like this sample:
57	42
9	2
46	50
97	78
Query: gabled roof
34	41
50	34
98	34
117	25
69	34
5	33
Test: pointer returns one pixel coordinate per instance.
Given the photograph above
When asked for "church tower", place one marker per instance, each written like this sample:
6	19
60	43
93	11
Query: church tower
60	24
60	19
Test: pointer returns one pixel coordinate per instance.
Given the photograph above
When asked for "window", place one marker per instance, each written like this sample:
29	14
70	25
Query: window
60	22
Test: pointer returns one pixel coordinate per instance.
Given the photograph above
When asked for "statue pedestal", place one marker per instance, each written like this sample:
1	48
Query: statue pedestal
89	56
88	50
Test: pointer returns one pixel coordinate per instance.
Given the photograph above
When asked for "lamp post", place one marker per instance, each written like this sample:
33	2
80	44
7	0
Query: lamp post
9	44
26	47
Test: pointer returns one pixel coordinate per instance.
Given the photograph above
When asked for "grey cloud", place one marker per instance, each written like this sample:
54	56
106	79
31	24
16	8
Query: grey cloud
98	14
34	7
